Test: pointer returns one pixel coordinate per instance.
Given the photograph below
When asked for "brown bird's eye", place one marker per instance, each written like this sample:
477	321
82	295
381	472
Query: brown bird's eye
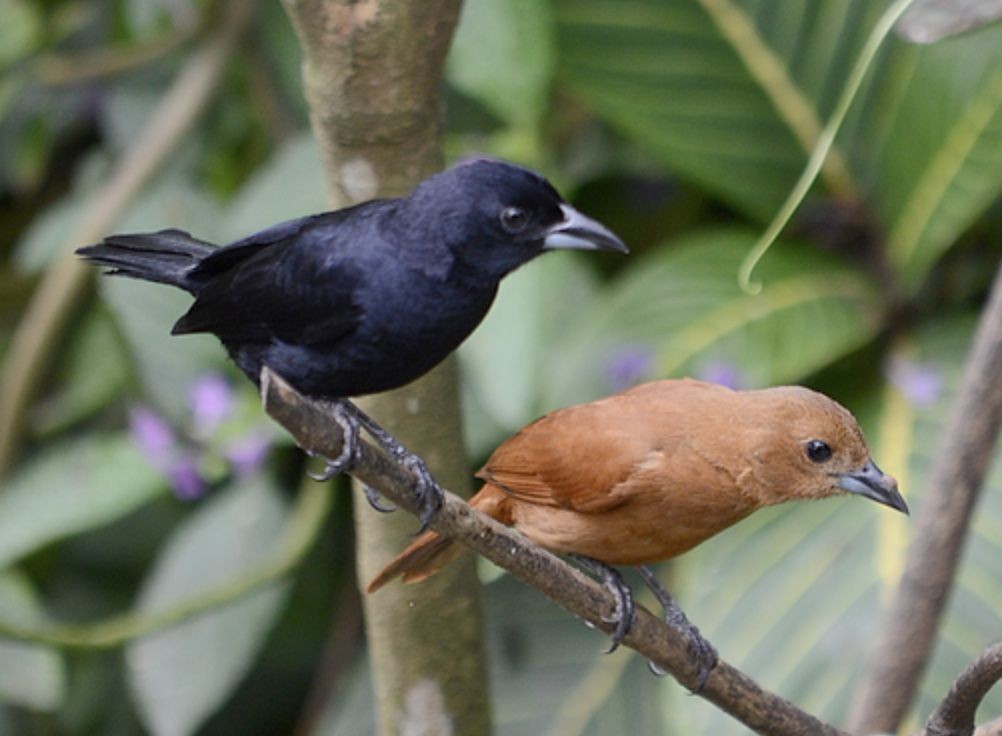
514	219
818	451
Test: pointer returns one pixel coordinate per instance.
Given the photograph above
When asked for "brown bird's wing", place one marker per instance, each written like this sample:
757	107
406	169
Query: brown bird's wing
578	458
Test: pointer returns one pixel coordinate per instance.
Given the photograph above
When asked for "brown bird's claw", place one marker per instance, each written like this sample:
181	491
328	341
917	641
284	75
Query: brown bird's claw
348	456
702	651
613	581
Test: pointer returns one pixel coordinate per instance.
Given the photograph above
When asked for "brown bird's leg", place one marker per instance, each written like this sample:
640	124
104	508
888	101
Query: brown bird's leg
428	490
614	583
703	651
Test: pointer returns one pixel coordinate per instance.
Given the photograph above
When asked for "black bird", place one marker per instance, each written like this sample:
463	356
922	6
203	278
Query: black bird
366	298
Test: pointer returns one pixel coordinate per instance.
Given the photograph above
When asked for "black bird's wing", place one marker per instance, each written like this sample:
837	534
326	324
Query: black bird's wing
292	282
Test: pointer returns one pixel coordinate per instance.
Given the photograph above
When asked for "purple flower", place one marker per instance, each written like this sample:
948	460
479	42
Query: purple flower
211	400
629	365
184	457
921	383
184	478
152	435
721	372
248	453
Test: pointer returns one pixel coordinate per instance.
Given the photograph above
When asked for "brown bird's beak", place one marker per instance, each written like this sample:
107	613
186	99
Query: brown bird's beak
876	485
581	233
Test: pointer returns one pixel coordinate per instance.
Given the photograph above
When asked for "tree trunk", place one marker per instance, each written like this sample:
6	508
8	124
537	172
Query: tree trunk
371	74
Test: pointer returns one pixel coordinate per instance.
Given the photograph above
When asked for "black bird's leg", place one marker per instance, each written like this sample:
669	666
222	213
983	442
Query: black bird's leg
349	456
428	490
702	650
349	448
614	583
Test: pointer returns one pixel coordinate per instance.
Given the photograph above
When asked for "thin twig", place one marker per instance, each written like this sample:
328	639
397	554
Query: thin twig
56	70
954	716
938	535
57	296
736	693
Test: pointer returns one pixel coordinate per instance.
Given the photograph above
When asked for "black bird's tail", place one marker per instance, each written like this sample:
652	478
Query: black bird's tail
167	256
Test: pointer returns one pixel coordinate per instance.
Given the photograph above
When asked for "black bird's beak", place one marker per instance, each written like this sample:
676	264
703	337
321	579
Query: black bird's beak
876	485
582	233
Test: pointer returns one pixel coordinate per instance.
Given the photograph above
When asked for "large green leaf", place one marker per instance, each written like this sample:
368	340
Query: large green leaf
72	487
730	97
506	358
180	676
732	93
929	140
31	675
291	184
502	55
682	312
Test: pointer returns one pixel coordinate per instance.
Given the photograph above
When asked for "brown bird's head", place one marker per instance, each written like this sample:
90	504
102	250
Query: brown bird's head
812	447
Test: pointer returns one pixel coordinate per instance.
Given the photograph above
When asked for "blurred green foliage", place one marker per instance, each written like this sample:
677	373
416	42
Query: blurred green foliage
657	118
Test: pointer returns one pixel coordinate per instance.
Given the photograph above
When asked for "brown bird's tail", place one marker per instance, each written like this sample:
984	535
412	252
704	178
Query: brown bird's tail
430	552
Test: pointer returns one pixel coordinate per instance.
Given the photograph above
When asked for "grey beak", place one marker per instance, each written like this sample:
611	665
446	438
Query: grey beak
582	233
874	484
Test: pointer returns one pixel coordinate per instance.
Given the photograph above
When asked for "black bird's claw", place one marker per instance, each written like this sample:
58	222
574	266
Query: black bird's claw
613	581
702	651
376	501
348	456
428	491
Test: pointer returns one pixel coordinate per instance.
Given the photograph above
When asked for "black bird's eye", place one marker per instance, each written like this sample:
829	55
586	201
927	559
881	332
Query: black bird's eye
514	219
818	451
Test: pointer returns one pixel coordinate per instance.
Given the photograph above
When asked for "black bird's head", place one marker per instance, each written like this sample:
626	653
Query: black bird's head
494	216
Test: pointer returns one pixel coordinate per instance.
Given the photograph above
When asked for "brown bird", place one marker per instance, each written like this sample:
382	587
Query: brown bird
649	473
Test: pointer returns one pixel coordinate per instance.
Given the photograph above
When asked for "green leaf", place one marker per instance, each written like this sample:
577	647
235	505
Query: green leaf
83	390
20	31
31	675
502	56
682	307
291	184
733	93
72	487
932	180
182	675
728	97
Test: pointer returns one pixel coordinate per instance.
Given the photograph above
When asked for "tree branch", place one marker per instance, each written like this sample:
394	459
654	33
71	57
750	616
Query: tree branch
954	716
938	534
313	428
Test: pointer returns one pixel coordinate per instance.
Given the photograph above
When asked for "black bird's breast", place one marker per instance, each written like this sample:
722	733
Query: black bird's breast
405	327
